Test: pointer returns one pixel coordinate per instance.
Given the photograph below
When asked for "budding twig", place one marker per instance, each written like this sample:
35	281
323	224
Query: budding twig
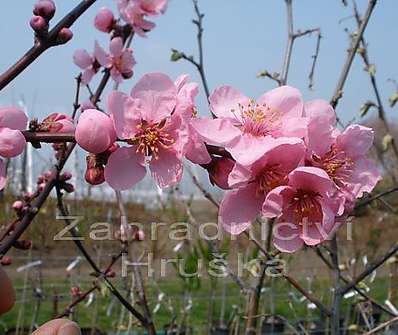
42	45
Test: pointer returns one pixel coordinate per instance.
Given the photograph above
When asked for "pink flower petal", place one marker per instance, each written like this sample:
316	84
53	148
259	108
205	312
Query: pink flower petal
216	131
246	149
239	176
239	208
224	101
13	118
320	109
95	132
314	233
312	179
157	94
275	200
82	59
364	177
166	169
125	168
116	47
87	76
3	174
294	127
12	142
101	56
286	237
286	152
181	81
285	99
356	140
126	114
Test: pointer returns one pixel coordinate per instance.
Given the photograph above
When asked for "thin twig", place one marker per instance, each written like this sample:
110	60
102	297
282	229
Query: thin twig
382	326
350	57
44	44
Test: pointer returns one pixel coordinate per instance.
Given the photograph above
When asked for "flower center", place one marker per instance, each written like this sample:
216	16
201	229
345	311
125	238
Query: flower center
118	64
336	164
305	207
150	138
272	176
257	119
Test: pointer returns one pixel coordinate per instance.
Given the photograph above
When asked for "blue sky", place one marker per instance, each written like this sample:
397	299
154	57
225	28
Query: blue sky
241	38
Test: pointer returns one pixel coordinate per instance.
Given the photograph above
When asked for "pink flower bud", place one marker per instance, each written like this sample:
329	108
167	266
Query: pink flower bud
95	175
66	176
95	131
17	205
22	244
219	169
38	24
68	187
27	196
5	261
48	174
104	20
45	8
64	36
86	105
41	187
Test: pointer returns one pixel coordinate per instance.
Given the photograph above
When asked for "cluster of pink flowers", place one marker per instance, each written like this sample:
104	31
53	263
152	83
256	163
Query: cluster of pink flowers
154	121
291	163
12	141
134	12
119	61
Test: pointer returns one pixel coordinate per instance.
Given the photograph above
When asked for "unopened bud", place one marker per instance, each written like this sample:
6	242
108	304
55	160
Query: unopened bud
64	36
22	244
5	261
38	24
75	291
45	9
104	20
17	205
95	175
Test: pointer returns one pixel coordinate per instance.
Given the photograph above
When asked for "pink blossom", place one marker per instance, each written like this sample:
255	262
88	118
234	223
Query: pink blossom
341	154
87	63
104	20
120	61
241	206
57	123
196	150
134	12
12	141
243	123
95	132
64	35
156	135
219	169
307	209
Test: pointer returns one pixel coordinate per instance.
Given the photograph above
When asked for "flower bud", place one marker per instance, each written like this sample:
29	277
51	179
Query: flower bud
64	36
22	244
104	20
38	24
41	187
17	205
68	187
66	176
45	9
95	175
93	122
5	261
219	169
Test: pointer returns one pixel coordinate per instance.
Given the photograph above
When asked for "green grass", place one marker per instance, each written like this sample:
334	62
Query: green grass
275	299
